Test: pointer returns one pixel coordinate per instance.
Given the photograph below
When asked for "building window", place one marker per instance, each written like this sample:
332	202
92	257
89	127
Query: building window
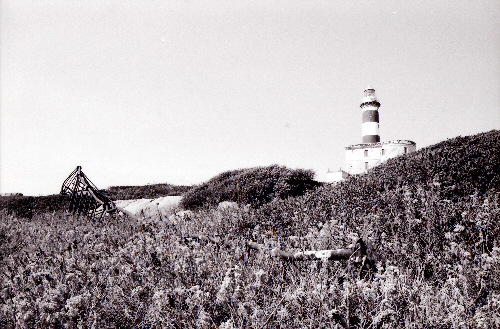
406	150
366	153
383	152
366	165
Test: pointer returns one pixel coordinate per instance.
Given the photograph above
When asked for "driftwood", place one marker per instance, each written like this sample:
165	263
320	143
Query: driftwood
205	238
337	254
355	252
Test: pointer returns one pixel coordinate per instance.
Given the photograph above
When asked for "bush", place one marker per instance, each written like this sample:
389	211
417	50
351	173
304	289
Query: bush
27	206
144	192
255	186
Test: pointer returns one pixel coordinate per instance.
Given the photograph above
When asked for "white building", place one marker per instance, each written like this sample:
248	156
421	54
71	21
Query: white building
371	152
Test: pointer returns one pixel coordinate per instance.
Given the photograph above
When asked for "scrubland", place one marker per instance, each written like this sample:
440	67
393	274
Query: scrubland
430	220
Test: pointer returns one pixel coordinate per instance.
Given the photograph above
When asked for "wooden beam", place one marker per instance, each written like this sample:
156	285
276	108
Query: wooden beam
356	252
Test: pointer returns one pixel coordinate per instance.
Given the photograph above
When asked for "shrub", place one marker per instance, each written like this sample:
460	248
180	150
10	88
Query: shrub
255	186
144	192
27	206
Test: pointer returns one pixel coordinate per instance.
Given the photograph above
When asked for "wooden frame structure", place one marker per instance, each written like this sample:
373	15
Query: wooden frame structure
85	197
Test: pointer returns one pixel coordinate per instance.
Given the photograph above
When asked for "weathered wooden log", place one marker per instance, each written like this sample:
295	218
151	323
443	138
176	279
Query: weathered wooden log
216	240
337	254
255	245
204	238
356	252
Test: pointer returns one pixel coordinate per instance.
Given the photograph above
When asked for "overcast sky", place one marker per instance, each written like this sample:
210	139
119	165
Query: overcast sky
140	92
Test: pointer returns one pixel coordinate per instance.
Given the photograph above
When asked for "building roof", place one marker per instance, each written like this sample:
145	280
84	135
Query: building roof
379	144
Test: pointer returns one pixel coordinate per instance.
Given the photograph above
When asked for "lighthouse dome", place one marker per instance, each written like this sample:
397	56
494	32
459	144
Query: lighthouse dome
369	99
369	95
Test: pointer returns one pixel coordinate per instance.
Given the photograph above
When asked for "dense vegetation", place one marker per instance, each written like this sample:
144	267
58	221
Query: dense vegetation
144	192
28	206
430	219
255	186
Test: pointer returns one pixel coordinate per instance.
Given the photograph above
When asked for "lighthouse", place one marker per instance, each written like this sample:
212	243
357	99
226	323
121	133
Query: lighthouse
360	158
371	125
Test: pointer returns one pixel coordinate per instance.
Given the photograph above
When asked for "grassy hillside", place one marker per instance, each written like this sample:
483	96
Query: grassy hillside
255	186
144	192
28	206
430	219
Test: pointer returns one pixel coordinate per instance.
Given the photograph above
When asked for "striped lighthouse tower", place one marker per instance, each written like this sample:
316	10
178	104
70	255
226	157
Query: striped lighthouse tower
370	125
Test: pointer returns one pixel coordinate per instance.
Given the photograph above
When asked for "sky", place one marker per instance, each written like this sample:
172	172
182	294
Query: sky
145	92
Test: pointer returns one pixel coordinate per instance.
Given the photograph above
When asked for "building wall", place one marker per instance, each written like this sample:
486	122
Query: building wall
363	157
359	160
336	176
396	148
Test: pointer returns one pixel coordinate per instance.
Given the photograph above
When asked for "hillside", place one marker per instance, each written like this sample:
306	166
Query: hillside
253	186
430	220
431	191
28	206
144	192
